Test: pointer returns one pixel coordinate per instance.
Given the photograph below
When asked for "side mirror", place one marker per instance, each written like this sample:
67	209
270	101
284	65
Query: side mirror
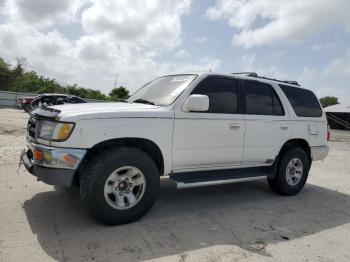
197	103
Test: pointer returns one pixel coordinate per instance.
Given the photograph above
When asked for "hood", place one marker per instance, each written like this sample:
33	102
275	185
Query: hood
73	112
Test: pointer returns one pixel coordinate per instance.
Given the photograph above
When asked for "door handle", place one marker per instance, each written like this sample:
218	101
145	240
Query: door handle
234	125
284	127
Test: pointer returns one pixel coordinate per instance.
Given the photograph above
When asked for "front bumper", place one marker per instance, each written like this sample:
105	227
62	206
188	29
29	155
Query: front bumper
319	152
57	166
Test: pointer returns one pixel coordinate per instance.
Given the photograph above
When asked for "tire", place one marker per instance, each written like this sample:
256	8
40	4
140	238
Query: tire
108	207
27	108
284	183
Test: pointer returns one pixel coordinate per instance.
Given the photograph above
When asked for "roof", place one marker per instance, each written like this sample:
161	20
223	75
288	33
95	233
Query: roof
339	108
247	75
54	94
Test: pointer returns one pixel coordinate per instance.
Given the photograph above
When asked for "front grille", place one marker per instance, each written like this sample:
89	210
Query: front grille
31	128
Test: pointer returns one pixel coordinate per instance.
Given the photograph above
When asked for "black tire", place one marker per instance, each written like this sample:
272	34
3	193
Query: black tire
27	108
279	183
92	184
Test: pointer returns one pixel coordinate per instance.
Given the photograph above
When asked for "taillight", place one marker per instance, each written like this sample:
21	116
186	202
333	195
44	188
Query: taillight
328	133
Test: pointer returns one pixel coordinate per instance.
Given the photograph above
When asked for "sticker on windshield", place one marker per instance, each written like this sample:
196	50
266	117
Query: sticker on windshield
181	78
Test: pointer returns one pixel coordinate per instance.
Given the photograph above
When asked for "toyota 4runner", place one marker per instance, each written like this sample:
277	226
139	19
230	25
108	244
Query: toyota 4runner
197	129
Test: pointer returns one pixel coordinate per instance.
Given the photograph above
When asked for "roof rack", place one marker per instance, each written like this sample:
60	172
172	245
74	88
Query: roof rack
253	74
246	73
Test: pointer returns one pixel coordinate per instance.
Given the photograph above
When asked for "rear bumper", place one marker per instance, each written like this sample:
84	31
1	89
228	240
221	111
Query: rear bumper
319	152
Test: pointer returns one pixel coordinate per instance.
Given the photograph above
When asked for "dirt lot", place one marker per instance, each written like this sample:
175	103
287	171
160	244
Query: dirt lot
238	222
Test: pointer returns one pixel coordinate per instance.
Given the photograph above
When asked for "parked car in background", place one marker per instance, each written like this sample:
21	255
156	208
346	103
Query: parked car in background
54	99
24	102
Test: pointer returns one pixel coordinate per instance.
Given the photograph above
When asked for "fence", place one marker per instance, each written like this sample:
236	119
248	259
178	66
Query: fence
8	99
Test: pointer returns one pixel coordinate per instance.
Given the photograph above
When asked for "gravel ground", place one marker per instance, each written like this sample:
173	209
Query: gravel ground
238	222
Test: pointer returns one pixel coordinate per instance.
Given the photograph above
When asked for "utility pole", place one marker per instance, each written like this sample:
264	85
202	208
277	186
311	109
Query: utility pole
115	82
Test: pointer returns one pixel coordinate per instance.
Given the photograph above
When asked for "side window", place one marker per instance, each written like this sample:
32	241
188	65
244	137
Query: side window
303	101
277	105
76	100
258	98
222	93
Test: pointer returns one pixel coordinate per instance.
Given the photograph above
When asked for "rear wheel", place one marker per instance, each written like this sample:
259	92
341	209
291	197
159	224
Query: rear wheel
120	185
292	173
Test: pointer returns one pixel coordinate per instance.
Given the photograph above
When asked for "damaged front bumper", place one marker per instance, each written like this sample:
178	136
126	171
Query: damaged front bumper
52	165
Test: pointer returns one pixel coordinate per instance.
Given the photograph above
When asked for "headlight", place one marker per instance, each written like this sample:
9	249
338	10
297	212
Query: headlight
45	129
55	131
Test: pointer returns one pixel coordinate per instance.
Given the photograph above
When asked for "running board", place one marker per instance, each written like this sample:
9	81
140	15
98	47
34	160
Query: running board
217	177
182	185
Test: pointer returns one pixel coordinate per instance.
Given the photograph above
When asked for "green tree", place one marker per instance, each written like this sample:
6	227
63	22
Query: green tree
6	76
329	101
19	68
18	80
119	94
85	93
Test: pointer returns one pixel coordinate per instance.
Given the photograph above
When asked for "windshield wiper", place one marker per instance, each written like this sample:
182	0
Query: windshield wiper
144	101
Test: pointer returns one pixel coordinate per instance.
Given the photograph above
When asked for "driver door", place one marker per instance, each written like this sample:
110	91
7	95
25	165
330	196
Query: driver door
203	140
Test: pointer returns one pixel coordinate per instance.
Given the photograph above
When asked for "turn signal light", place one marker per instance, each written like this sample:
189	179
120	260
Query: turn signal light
64	131
71	160
38	155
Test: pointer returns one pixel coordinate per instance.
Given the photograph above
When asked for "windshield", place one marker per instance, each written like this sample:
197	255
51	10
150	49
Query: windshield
162	91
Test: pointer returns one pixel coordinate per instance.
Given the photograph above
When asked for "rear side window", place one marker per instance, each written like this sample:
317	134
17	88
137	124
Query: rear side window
304	102
76	100
261	99
277	105
222	93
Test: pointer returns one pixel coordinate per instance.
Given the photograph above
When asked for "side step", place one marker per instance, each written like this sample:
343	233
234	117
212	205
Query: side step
217	177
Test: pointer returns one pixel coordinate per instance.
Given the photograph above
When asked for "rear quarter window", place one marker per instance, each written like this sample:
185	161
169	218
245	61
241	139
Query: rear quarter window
303	101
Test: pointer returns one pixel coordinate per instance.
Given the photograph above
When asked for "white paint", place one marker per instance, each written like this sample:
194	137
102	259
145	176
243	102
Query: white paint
195	141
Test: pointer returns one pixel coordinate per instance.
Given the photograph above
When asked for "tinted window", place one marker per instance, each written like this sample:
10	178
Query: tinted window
76	100
258	98
277	105
222	93
303	101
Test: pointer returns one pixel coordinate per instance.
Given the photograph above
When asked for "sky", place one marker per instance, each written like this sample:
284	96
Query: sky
88	42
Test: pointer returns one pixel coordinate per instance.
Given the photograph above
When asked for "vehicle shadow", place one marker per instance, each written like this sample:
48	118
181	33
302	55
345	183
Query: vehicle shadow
247	215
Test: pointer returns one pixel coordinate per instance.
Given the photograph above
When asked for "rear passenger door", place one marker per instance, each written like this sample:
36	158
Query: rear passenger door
267	125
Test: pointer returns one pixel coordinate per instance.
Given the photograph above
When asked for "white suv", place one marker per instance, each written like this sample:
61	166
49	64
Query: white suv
197	129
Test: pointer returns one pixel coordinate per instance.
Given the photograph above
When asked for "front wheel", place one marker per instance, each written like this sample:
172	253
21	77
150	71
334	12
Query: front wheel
292	173
120	185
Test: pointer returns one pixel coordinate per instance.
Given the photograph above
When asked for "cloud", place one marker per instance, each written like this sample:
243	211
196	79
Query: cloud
317	47
262	22
326	82
248	63
23	40
201	39
42	13
339	67
148	23
124	37
182	53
